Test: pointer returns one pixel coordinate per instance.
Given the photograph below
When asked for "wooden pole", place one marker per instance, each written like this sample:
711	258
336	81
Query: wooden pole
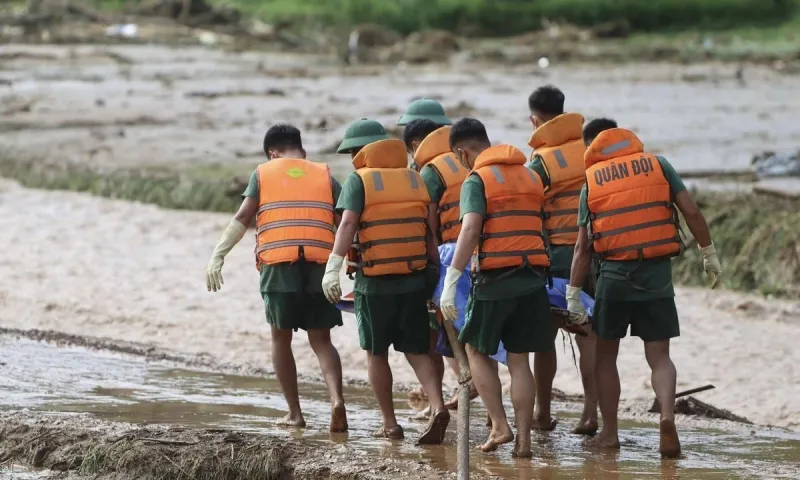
464	379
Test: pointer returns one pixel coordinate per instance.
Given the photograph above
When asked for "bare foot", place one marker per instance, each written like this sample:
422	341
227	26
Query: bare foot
418	394
338	418
437	427
392	433
291	420
452	404
544	424
669	445
585	428
424	414
604	441
522	448
496	439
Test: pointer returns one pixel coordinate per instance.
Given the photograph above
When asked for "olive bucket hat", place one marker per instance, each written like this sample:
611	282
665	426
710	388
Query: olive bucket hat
360	133
425	108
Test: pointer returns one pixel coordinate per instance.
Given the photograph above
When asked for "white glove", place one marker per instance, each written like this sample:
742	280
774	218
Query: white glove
711	264
230	237
447	302
574	303
330	281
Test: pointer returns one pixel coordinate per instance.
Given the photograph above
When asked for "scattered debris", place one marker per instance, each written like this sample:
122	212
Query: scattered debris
270	92
772	164
693	406
656	407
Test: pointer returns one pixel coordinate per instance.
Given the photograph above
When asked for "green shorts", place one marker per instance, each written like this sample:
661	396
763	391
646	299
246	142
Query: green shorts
524	324
399	320
651	320
296	311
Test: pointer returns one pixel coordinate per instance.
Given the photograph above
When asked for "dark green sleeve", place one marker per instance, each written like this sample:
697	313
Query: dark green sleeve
336	188
252	186
675	182
537	166
583	208
433	182
352	195
473	198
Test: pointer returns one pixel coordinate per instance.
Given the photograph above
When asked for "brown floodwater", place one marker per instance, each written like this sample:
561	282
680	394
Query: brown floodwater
40	376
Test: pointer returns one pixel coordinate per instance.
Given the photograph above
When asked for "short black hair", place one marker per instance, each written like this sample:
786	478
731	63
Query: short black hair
282	136
417	130
592	129
548	100
468	129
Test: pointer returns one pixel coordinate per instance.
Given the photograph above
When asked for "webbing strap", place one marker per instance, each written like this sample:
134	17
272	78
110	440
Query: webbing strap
567	193
641	246
633	228
447	225
391	221
293	243
562	230
512	233
389	241
295	223
560	213
448	206
516	253
514	213
633	208
295	204
384	261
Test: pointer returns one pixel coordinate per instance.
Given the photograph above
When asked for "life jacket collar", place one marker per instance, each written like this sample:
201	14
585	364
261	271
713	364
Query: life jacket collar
612	143
435	144
500	154
558	131
390	153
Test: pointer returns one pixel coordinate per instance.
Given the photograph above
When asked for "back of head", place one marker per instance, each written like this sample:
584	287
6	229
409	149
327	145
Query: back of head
466	132
592	129
417	130
282	138
546	102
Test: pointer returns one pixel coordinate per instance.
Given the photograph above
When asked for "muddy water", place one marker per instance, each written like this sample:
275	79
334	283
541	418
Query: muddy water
136	105
45	377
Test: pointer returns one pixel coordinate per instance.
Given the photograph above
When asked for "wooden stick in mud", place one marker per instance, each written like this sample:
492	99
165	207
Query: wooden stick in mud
464	379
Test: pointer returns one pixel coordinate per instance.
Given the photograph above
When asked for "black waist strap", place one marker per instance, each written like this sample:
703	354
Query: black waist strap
392	221
295	223
633	228
514	213
512	233
389	241
640	246
293	243
633	208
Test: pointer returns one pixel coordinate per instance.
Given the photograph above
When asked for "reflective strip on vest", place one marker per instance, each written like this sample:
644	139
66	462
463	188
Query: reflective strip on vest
633	208
633	228
616	147
393	221
560	158
378	181
641	246
295	223
450	163
274	205
294	243
412	177
497	175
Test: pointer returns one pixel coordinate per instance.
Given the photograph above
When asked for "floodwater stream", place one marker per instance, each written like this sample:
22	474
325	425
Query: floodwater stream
40	376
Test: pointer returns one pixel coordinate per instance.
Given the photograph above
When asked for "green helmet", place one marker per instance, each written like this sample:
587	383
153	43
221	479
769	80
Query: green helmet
360	133
426	108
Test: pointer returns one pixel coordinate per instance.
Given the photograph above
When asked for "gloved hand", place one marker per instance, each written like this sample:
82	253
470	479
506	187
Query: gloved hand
447	303
230	237
574	303
711	264
330	281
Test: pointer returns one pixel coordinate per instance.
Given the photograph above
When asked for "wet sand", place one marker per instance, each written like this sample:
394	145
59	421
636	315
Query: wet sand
127	271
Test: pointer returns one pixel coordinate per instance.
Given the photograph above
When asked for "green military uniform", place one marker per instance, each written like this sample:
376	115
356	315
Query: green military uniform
560	255
425	108
390	309
635	293
292	292
505	304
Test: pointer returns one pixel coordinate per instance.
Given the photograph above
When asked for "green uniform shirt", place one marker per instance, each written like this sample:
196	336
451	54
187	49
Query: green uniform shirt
433	182
352	198
649	279
520	283
290	277
560	255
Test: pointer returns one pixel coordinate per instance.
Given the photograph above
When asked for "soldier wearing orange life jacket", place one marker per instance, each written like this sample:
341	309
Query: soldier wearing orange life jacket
628	219
501	212
557	157
384	206
292	200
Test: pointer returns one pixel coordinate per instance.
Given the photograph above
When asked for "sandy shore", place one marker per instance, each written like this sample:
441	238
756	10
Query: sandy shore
92	266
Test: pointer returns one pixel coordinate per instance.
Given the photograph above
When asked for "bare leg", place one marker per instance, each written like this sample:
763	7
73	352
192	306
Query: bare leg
429	376
452	404
331	366
522	388
607	385
285	369
663	379
544	369
588	422
380	379
484	375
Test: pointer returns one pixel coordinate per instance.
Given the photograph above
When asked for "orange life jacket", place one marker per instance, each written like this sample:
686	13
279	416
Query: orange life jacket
630	202
560	145
512	228
392	227
295	212
435	151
